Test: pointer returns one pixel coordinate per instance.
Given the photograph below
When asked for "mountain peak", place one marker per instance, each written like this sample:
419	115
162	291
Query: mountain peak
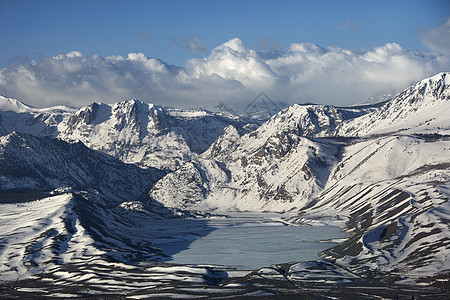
14	105
435	86
421	108
133	101
424	93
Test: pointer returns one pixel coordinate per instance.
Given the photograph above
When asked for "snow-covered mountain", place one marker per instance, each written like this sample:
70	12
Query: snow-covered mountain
279	166
383	168
132	131
19	117
43	164
424	108
263	170
395	191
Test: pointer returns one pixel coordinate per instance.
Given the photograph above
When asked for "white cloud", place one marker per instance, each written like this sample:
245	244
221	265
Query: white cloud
437	39
232	73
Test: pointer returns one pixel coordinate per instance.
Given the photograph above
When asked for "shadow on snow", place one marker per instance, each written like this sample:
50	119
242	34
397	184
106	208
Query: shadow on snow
136	237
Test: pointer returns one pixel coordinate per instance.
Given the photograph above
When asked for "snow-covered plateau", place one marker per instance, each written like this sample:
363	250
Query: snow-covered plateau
136	200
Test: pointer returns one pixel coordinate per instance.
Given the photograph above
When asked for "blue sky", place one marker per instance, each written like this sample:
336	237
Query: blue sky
176	31
31	28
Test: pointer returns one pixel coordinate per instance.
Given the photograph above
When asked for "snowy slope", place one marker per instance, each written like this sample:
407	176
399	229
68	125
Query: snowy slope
287	161
44	164
275	167
10	104
384	168
272	168
14	105
422	108
81	243
132	131
17	116
36	236
395	191
314	120
274	171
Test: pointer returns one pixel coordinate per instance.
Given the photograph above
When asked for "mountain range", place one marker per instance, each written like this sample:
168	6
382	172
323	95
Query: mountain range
382	168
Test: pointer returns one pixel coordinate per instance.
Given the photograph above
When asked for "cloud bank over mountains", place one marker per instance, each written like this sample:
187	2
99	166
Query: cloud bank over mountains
232	74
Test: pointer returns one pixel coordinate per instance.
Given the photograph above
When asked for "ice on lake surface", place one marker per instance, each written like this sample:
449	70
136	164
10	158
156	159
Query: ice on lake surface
254	241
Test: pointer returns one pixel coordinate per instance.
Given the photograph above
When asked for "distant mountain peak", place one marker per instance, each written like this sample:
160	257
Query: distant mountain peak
261	108
10	104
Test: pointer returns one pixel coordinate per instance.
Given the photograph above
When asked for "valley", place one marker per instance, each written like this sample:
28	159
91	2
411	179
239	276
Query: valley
136	200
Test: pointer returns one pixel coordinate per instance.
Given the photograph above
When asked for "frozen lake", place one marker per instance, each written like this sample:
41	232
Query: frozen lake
254	241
